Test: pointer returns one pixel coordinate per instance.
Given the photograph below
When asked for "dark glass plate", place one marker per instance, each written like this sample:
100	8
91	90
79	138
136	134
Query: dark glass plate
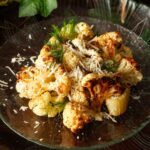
50	132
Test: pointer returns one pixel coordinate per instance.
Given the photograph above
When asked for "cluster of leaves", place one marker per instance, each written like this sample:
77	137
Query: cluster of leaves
67	32
33	7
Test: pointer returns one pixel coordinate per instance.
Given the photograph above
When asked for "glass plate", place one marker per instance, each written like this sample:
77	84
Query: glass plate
50	132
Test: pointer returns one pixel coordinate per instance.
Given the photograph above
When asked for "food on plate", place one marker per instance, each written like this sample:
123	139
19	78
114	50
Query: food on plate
78	73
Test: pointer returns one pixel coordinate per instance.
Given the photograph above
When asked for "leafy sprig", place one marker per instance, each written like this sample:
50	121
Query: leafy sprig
58	54
33	7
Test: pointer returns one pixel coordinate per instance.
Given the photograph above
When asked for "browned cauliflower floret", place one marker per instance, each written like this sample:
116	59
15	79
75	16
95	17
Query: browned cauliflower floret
84	30
26	85
32	82
45	104
79	95
44	60
129	73
70	60
109	43
75	116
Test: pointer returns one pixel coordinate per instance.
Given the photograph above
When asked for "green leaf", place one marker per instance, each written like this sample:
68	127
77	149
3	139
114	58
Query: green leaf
33	7
47	6
28	8
58	54
56	33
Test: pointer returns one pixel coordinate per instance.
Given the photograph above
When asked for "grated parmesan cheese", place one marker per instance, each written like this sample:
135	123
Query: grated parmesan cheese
44	28
35	132
26	122
23	108
107	116
3	85
3	82
29	46
11	87
32	58
4	105
19	59
36	124
10	70
30	37
41	139
15	111
99	139
6	99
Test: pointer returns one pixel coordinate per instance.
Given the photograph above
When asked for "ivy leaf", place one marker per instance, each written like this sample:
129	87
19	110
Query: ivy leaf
33	7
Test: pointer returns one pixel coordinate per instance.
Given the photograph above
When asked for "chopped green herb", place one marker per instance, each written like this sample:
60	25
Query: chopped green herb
68	30
70	21
110	66
56	33
60	104
58	54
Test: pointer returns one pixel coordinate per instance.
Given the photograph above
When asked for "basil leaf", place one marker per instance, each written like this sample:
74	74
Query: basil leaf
28	8
33	7
47	6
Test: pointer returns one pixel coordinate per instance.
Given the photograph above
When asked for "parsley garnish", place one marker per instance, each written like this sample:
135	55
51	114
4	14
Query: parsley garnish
110	66
56	33
58	54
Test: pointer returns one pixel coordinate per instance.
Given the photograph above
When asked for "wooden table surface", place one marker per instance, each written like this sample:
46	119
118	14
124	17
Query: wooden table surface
8	139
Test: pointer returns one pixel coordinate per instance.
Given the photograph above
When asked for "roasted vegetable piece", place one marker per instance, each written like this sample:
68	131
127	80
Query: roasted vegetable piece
84	30
109	43
45	104
129	73
70	60
75	116
117	105
40	105
68	31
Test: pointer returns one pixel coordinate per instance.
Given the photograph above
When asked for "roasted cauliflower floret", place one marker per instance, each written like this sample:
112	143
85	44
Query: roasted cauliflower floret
70	60
41	104
75	116
90	77
117	104
45	104
68	32
27	85
32	81
44	60
79	95
109	43
128	72
100	88
84	30
53	41
62	83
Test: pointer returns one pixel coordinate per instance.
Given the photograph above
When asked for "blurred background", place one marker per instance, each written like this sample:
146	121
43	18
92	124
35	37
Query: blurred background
134	15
